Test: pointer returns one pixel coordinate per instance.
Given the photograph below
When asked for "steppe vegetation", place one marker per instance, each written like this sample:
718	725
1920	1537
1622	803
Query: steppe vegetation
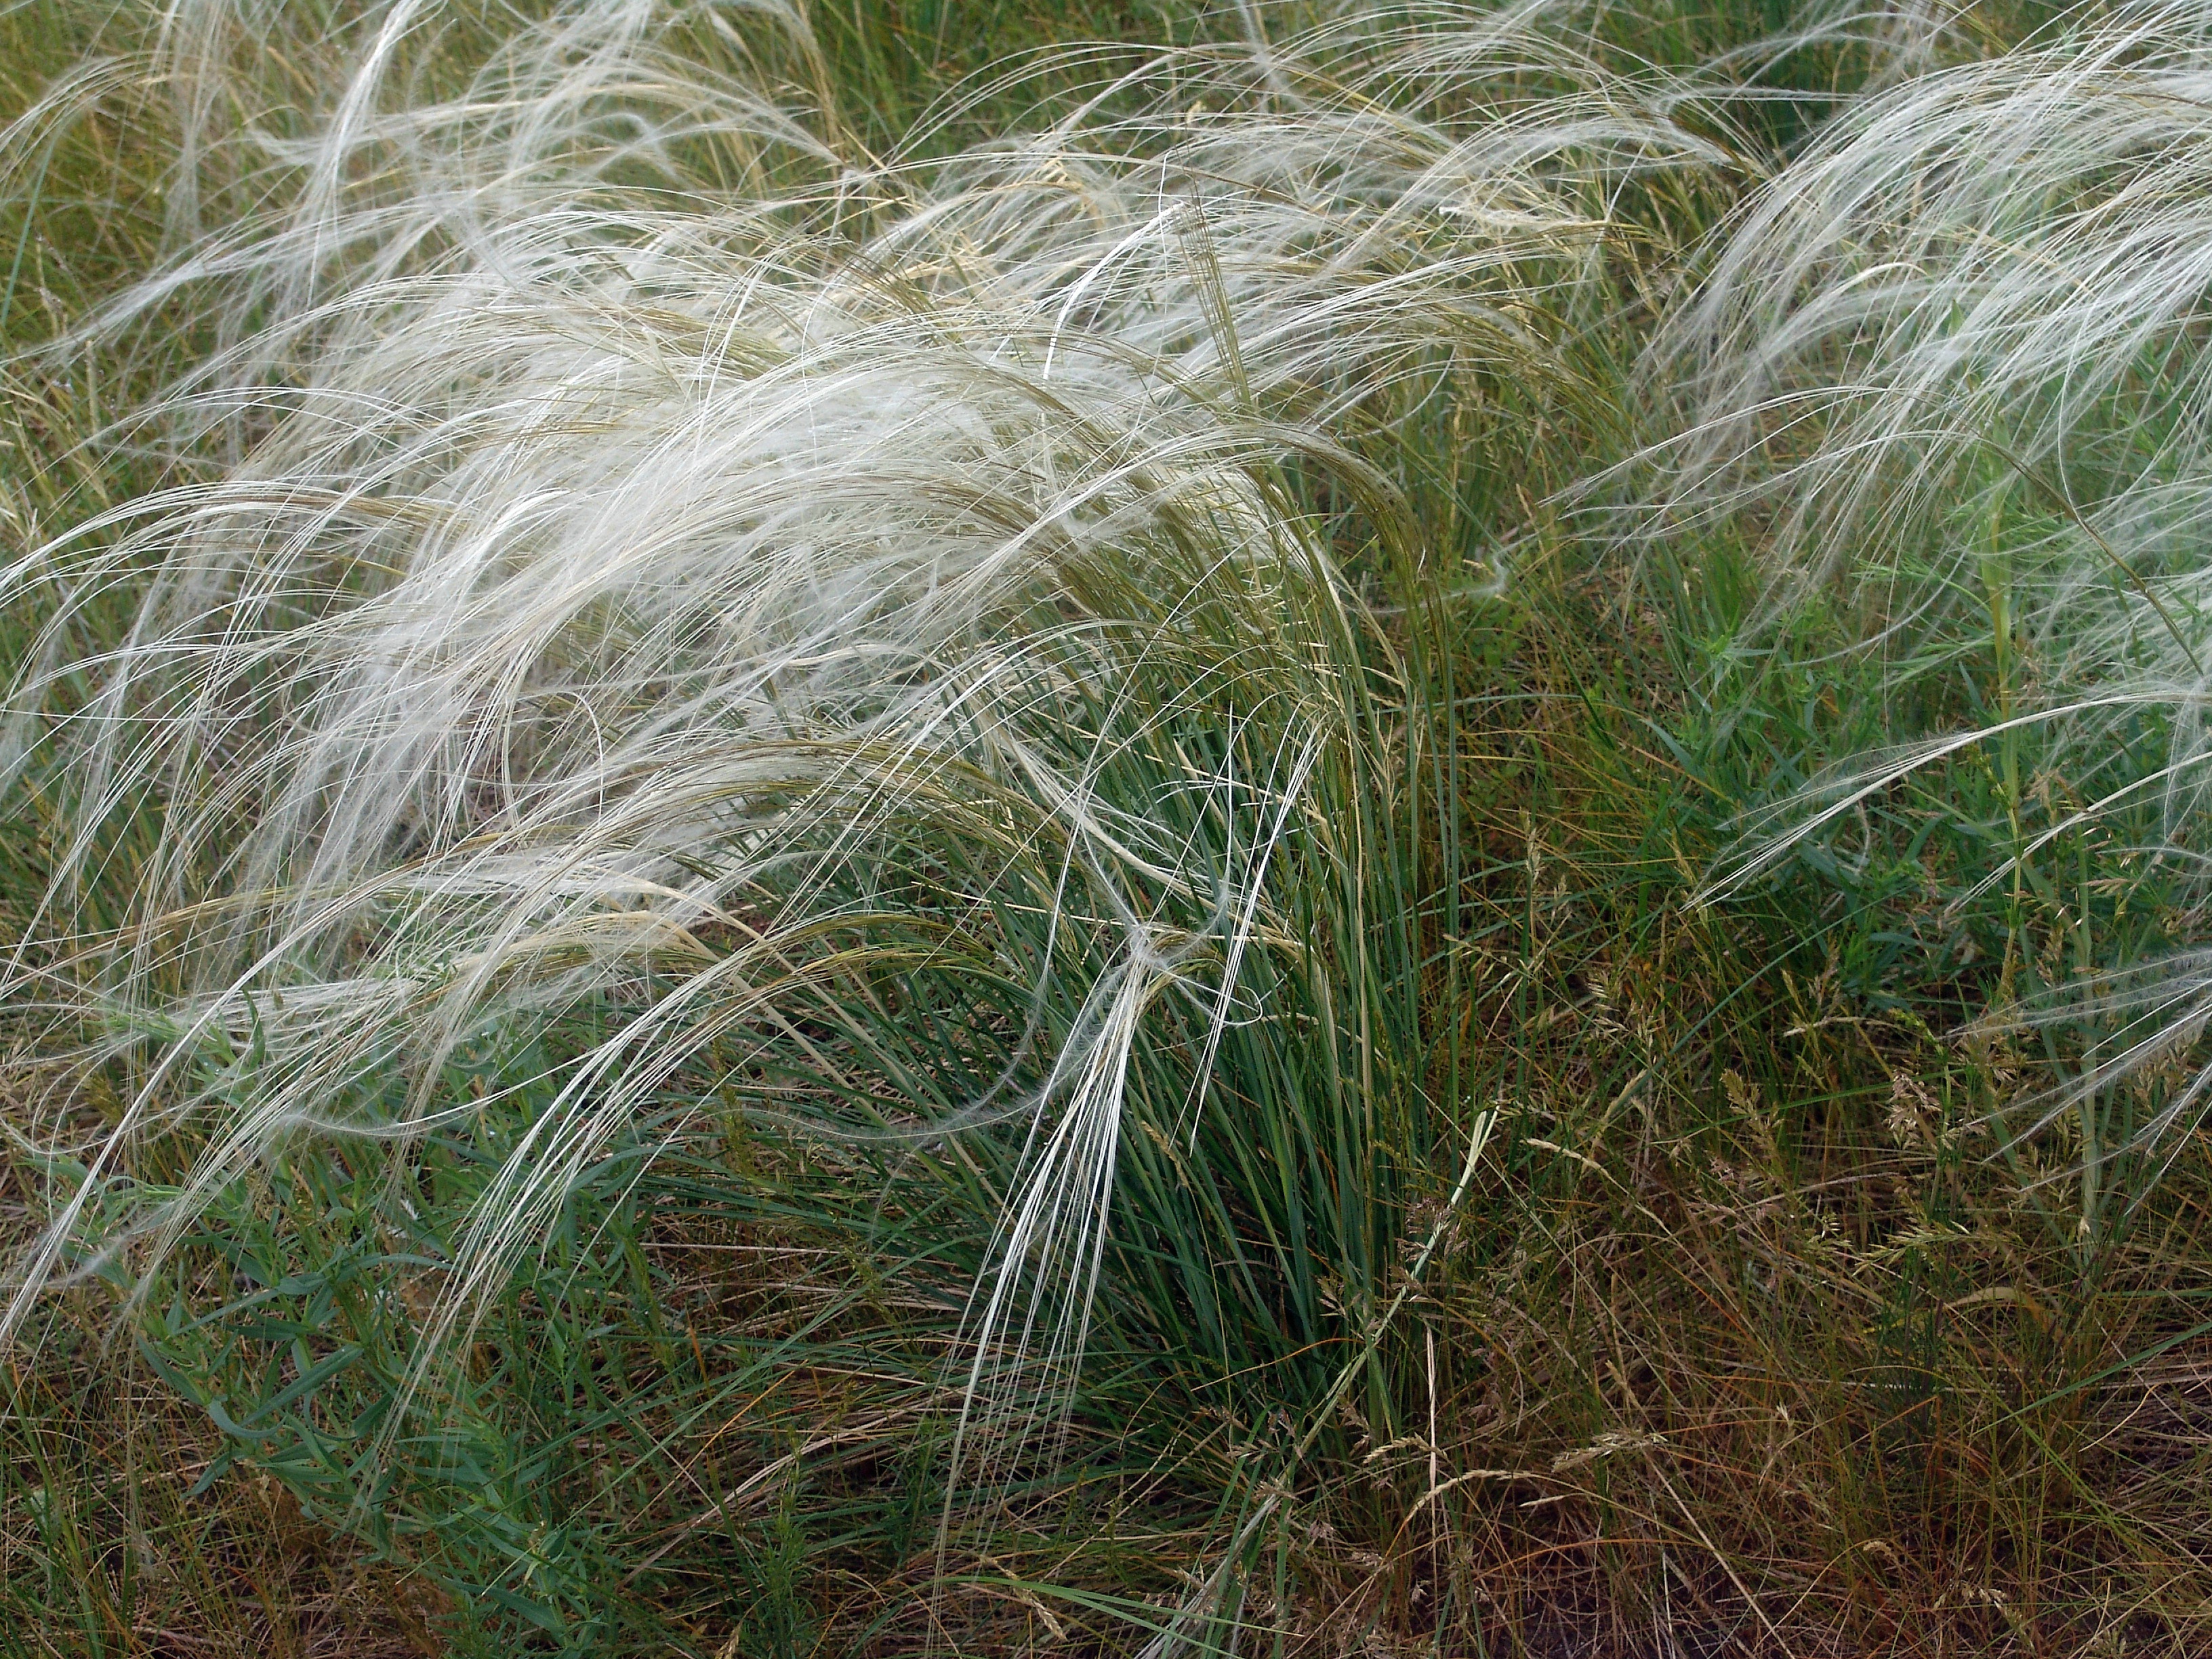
1299	830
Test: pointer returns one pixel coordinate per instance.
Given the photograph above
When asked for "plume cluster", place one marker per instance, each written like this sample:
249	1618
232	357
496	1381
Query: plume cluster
628	549
1951	356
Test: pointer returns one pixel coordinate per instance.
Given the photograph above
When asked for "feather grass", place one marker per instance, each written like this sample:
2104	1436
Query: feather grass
1948	358
662	655
617	520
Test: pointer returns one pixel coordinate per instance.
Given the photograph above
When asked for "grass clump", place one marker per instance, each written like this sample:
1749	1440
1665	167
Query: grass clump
825	858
